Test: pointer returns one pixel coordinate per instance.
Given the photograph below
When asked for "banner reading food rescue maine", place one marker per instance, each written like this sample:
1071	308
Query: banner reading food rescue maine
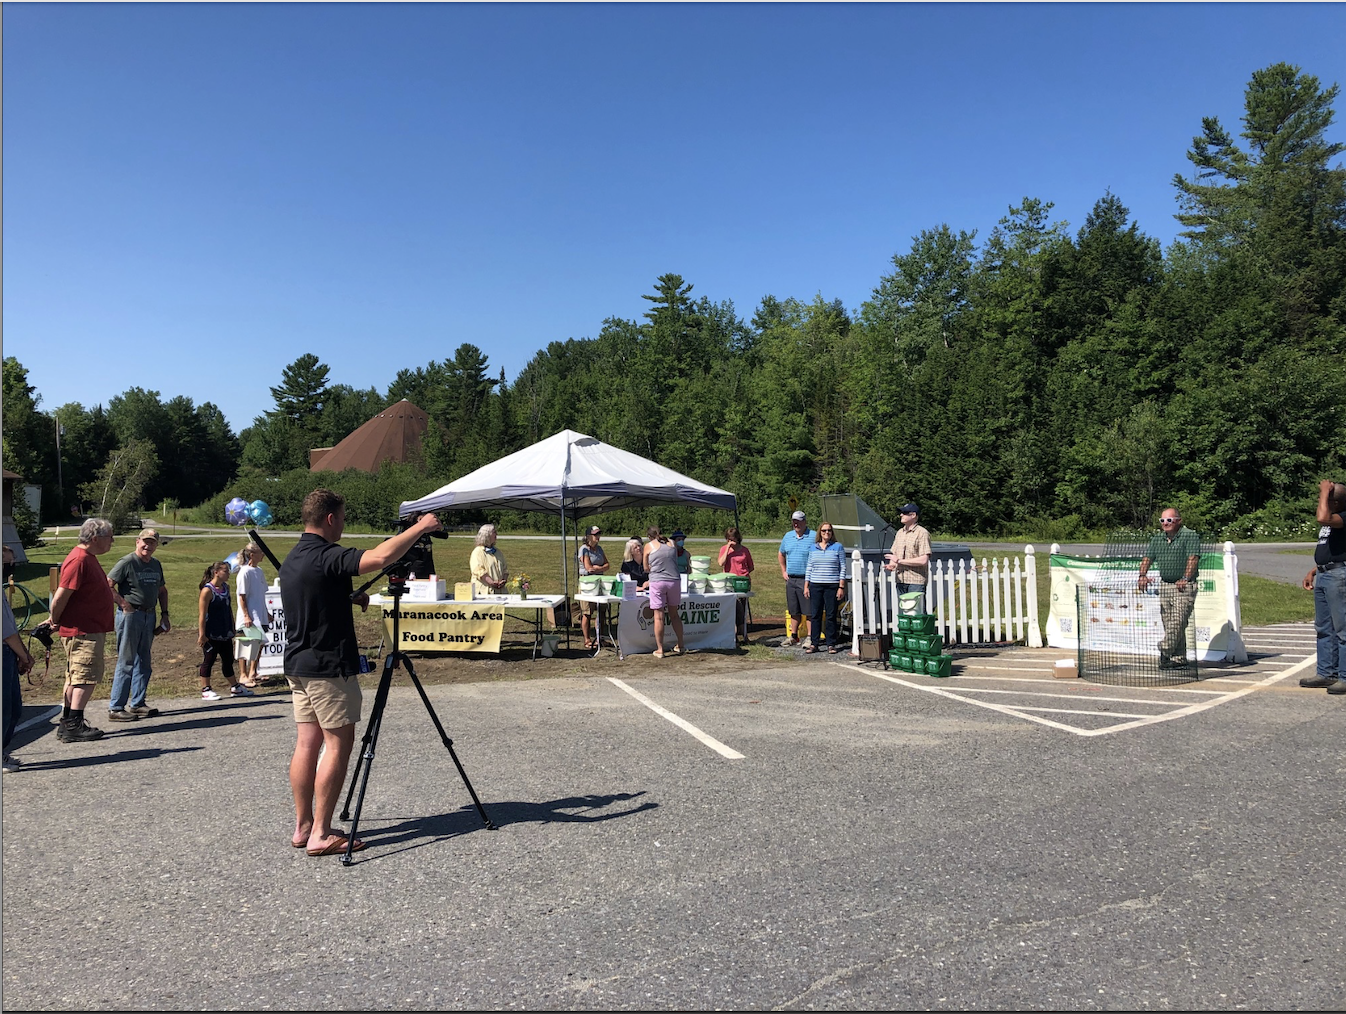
707	622
447	626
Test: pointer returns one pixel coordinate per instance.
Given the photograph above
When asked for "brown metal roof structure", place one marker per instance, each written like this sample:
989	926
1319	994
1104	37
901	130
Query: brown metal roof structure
394	434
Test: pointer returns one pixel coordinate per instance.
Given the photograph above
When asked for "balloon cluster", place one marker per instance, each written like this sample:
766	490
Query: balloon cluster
239	512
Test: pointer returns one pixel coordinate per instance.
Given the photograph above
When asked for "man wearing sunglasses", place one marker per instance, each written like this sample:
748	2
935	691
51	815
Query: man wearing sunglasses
1176	551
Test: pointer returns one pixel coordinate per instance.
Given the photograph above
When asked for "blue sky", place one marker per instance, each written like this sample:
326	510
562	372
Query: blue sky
196	195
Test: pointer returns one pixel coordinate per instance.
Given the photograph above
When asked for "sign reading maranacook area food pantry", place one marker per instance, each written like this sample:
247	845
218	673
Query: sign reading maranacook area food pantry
462	626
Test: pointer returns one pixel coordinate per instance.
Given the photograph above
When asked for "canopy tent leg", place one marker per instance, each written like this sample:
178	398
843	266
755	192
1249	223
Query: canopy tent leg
565	572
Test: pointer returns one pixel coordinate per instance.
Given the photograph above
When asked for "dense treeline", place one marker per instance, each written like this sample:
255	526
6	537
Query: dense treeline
1041	380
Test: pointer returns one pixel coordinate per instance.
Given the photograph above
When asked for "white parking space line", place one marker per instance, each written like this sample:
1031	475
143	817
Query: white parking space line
1131	721
1082	695
1050	681
681	723
1007	668
44	716
989	705
1081	711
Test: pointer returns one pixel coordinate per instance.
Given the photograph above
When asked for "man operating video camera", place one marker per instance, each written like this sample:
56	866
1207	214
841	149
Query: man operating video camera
322	658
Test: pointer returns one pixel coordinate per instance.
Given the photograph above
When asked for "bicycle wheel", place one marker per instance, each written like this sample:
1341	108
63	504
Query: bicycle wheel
23	604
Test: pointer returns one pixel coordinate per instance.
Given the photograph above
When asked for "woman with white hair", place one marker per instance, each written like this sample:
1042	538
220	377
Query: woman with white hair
490	573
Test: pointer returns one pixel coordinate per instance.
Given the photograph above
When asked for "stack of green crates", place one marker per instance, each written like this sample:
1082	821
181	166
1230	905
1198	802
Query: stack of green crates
917	648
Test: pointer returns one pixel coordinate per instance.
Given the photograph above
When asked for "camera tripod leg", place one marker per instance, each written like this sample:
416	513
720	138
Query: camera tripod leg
366	759
448	744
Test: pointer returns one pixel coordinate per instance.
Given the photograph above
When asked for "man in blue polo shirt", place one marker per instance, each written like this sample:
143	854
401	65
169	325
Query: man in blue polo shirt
794	562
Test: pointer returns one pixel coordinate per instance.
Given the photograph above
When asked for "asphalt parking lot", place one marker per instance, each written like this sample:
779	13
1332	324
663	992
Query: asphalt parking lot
814	834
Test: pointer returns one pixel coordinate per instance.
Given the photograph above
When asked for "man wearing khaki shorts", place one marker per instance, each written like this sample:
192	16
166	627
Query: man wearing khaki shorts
322	659
82	610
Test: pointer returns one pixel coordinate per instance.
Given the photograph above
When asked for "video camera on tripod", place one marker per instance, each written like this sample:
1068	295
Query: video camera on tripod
418	560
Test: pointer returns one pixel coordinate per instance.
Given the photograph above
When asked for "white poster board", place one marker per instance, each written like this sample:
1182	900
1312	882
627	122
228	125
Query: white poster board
272	662
707	622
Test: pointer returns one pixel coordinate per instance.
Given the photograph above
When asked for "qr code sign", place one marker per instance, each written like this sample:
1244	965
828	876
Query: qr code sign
1203	634
1067	624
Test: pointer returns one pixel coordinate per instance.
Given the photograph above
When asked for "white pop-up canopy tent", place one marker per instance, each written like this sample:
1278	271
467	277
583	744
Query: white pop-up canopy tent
572	475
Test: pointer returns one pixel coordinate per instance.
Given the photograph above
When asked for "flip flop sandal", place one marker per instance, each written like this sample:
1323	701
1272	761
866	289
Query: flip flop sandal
337	847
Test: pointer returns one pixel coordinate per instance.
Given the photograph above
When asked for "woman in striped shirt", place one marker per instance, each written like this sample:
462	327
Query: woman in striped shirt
825	586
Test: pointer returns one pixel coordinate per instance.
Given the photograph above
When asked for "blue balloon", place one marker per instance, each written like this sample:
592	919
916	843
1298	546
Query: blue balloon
232	560
260	513
236	511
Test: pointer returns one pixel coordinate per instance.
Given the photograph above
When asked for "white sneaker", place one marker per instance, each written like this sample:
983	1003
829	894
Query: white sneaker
209	695
239	690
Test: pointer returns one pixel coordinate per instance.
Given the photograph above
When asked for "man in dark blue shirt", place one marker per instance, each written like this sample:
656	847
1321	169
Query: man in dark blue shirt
322	658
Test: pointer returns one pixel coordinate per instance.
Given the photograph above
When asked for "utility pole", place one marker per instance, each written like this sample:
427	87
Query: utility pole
60	488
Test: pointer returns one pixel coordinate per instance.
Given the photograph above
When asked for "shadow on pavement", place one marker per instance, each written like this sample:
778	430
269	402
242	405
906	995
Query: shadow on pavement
416	832
119	757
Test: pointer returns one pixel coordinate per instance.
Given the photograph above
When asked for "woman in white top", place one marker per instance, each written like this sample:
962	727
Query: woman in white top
252	612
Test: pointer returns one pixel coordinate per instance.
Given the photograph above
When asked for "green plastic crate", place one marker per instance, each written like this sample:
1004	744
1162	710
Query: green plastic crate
923	623
740	584
905	662
938	666
925	644
895	659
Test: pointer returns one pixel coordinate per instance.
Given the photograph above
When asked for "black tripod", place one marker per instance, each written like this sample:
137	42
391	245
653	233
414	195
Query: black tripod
397	586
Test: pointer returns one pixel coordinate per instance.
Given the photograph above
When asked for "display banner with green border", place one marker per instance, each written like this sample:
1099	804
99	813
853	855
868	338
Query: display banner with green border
1092	576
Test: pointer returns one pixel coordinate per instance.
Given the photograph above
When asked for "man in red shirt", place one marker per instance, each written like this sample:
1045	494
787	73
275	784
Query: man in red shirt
82	610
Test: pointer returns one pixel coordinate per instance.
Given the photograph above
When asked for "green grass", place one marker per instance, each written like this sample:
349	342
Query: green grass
1265	601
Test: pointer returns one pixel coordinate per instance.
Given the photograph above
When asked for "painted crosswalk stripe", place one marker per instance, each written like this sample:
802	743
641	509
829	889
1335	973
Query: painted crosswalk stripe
681	723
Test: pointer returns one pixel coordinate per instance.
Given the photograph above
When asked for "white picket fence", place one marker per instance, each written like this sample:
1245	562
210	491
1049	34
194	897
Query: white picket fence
973	603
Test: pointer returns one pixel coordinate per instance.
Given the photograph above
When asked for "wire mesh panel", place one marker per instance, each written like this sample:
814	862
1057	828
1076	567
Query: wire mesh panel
1131	635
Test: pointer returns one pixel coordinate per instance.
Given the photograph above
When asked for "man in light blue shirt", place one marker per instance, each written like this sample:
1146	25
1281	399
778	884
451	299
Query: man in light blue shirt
795	547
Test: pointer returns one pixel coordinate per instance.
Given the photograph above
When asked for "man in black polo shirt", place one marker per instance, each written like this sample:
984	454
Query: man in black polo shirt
322	658
1327	580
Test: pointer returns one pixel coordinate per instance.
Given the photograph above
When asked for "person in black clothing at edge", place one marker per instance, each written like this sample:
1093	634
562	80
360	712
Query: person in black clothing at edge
1327	580
322	659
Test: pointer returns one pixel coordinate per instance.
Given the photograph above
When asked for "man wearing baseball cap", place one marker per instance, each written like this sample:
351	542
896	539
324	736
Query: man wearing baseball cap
593	561
795	547
910	555
137	583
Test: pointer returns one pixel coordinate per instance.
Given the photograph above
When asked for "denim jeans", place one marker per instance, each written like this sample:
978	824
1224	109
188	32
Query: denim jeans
135	638
1329	621
12	693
